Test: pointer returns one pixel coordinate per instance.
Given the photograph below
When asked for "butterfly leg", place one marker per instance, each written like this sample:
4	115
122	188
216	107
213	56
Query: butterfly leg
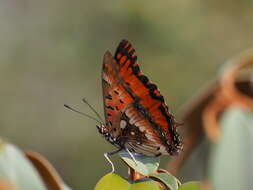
107	154
159	154
132	156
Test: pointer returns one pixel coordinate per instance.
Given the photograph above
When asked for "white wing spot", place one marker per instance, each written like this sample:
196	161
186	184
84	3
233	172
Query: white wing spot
123	124
132	133
131	121
149	137
142	128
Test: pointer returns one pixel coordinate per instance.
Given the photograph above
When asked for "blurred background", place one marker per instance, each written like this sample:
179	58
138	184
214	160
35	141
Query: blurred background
51	54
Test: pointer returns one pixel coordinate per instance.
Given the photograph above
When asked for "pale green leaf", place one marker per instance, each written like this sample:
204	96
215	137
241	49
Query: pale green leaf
113	181
144	164
232	157
17	170
169	180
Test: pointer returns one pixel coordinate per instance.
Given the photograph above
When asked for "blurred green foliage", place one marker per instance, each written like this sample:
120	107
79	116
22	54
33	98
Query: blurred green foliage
16	172
231	164
162	181
113	181
51	54
193	185
144	165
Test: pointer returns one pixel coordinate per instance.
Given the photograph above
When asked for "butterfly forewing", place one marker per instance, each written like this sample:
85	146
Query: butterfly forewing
114	95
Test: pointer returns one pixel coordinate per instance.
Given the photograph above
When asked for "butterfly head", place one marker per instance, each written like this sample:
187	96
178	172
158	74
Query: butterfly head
104	131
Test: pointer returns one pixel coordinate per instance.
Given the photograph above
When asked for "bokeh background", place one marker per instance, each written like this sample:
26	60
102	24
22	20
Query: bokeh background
51	54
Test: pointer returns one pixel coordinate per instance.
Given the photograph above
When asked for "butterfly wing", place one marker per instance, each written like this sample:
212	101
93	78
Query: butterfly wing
135	110
115	95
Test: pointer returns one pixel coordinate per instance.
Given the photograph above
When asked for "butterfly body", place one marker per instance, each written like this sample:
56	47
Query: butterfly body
137	118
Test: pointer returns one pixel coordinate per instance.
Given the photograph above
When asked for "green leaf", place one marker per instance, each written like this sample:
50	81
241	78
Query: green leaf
169	180
192	185
17	170
145	185
113	181
231	161
144	164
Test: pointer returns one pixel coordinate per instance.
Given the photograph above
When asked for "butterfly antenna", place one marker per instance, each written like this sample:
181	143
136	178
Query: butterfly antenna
92	108
74	110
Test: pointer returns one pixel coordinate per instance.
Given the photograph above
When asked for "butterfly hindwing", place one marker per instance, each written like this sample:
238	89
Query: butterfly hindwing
138	133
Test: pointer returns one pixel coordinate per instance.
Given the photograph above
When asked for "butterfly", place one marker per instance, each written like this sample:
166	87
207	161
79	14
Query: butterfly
137	118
